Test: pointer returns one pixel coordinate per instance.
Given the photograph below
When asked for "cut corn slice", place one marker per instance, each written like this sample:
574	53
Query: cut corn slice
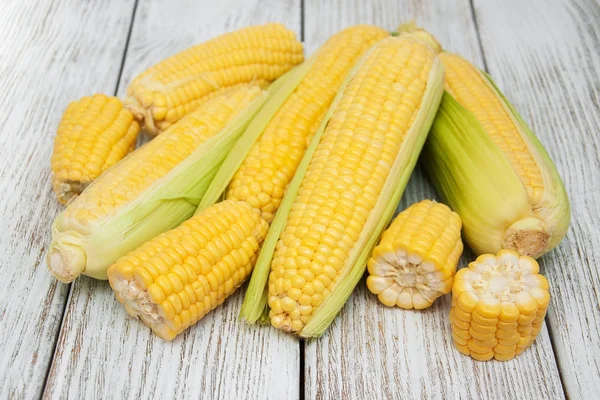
151	191
209	256
166	92
416	259
504	299
94	133
348	185
489	167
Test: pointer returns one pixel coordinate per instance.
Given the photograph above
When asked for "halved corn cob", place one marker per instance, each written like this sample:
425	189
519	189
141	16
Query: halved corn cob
263	174
498	306
489	167
166	92
94	133
173	280
152	190
416	259
349	183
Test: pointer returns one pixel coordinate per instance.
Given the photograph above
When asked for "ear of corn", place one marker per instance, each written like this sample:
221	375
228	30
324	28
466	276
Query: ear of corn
415	261
94	133
173	280
349	183
166	92
264	161
152	190
498	306
491	169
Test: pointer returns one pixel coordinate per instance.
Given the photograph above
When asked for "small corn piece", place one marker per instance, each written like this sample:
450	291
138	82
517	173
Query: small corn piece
166	92
266	171
498	306
154	189
349	182
416	259
94	133
173	280
491	169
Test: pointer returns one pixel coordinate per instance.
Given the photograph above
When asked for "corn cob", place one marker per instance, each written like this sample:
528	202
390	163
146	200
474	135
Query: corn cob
498	306
94	134
173	280
416	260
151	191
349	183
166	92
488	165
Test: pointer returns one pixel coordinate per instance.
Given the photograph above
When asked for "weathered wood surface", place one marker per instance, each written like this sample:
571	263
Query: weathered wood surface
219	357
545	55
45	62
373	352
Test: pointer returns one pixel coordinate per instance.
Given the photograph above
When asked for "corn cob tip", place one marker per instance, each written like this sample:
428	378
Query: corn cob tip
67	191
410	28
66	262
527	237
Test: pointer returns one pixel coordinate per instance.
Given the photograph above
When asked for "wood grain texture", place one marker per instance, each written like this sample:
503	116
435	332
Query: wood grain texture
219	357
372	351
45	62
545	56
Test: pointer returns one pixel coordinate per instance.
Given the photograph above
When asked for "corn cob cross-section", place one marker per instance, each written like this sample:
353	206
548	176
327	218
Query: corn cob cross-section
173	280
151	191
346	194
416	260
491	169
498	306
166	92
94	133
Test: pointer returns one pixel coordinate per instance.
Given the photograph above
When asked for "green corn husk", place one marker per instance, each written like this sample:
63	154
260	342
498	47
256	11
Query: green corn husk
478	181
253	308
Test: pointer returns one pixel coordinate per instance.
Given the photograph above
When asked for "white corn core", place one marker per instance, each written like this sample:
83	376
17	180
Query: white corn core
403	279
506	278
138	305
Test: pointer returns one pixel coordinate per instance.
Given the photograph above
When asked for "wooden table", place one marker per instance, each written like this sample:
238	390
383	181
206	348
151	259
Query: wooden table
76	341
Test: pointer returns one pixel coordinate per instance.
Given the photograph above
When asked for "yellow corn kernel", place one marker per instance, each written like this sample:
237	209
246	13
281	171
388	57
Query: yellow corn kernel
265	173
94	133
171	89
236	227
501	324
341	198
416	259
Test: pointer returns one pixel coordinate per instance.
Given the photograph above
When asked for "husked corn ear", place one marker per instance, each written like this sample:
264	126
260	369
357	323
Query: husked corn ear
489	166
498	306
415	261
173	280
94	133
272	162
152	190
350	184
166	92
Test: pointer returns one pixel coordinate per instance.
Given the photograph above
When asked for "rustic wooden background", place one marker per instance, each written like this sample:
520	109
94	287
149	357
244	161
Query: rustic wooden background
76	341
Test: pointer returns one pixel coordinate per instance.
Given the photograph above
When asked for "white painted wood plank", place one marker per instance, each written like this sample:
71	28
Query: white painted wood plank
218	358
372	351
544	54
51	52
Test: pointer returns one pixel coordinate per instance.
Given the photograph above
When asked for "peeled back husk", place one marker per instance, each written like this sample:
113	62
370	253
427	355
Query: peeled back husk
479	182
